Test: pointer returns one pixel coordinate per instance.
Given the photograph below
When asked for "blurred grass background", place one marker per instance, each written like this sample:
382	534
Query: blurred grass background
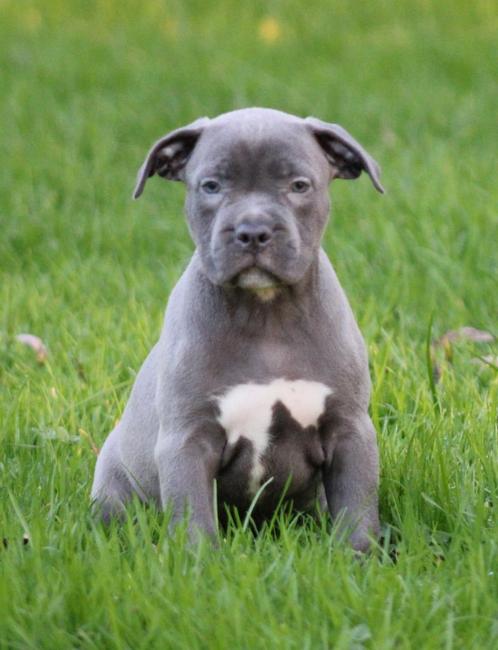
85	88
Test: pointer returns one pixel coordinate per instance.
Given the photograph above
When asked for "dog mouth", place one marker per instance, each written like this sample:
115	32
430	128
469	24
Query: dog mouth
260	283
256	279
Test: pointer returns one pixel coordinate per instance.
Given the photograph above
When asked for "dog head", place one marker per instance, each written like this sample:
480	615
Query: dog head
257	201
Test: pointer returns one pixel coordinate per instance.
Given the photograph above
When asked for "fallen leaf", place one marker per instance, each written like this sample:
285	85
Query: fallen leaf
465	334
36	344
445	343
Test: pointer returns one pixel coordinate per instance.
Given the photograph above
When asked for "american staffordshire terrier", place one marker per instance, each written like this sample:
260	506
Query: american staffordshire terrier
260	371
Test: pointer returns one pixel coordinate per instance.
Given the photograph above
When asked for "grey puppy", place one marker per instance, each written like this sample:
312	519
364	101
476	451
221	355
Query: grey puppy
260	371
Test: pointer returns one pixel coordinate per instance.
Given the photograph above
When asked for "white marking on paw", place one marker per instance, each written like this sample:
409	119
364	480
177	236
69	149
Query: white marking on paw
246	411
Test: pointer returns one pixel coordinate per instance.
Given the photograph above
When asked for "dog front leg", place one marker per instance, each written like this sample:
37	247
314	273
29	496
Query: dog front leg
187	467
351	481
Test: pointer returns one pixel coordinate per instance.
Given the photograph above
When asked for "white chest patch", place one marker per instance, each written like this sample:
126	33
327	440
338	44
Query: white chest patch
246	411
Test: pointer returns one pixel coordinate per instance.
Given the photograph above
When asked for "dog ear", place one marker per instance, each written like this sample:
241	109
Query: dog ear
346	156
169	155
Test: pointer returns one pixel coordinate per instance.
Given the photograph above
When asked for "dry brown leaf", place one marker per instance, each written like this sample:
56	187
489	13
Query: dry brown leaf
464	334
36	344
445	343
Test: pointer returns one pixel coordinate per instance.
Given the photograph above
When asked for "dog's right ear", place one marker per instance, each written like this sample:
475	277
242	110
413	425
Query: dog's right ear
169	155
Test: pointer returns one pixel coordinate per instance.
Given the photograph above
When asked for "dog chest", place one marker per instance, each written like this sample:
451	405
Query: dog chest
252	411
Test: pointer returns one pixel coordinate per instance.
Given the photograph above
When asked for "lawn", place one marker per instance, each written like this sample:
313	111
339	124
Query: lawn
85	88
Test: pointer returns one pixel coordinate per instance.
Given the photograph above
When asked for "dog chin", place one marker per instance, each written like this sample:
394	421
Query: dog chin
262	284
256	279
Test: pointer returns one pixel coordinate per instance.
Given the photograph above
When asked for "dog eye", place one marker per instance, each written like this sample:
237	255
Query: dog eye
210	186
300	185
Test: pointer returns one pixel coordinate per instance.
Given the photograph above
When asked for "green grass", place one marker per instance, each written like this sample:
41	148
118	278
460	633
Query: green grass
86	87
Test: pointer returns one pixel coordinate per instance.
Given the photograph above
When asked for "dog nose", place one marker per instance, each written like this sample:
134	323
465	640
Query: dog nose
253	236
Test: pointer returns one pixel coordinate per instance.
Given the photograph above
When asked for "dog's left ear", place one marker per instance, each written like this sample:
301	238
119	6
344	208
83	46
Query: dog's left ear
345	155
170	154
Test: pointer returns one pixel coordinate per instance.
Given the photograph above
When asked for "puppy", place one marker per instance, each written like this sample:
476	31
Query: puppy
260	371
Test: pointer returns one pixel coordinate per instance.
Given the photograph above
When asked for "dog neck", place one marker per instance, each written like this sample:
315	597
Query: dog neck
255	311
